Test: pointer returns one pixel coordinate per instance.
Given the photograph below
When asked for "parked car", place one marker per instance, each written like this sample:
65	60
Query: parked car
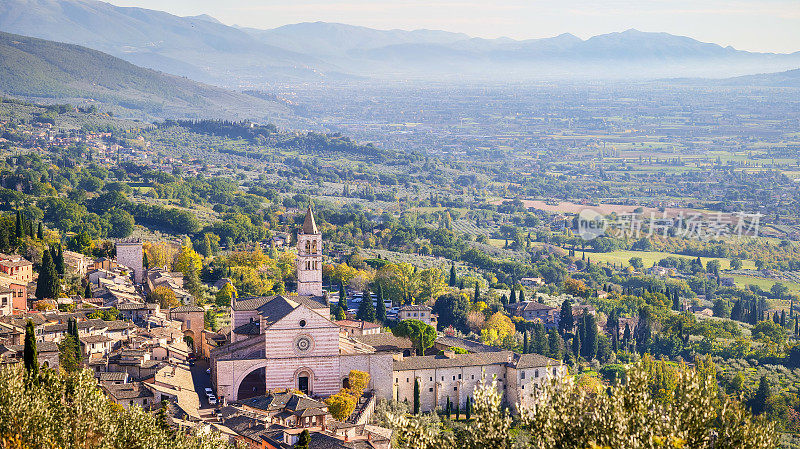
209	392
212	400
208	371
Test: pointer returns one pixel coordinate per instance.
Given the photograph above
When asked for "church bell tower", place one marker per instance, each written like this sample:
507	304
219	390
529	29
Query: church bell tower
309	257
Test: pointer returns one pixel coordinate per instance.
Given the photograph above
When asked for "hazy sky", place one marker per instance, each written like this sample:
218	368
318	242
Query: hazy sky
756	25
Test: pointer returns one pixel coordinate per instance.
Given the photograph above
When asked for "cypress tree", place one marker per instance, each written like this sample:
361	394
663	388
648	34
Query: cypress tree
783	318
48	285
18	225
342	296
88	292
458	409
340	315
448	408
380	313
416	396
626	337
576	344
452	282
590	336
554	344
525	343
366	311
39	232
513	299
504	300
468	408
461	285
477	291
566	321
30	355
145	262
521	297
758	404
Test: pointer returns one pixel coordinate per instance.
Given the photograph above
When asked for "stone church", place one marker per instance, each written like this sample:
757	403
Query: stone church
289	341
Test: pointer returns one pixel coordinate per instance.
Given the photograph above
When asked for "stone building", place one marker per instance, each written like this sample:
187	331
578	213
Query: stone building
130	254
454	377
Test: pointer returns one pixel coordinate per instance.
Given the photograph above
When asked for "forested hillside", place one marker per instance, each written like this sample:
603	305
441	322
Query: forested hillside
54	72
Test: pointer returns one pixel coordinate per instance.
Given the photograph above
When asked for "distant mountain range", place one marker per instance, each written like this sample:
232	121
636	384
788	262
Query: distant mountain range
49	71
204	49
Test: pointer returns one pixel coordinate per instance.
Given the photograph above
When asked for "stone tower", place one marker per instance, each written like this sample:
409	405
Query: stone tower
130	254
309	257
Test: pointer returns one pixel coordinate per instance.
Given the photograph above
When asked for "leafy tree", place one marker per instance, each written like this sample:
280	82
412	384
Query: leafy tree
452	309
769	331
366	311
121	223
68	410
164	296
48	285
636	262
421	334
225	295
341	405
736	263
303	440
210	320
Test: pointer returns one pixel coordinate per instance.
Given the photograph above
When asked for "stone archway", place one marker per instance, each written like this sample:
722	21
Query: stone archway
304	380
253	384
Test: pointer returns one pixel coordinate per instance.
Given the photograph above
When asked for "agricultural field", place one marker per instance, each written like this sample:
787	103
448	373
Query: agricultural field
649	258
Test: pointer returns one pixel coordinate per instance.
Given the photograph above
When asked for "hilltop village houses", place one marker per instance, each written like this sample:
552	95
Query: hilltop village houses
265	374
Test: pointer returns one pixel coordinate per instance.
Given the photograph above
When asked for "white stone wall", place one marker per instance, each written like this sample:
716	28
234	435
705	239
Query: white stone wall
436	385
523	382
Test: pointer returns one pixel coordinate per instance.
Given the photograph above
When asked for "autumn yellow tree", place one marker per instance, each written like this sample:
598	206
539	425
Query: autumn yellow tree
164	296
341	405
358	382
430	285
497	328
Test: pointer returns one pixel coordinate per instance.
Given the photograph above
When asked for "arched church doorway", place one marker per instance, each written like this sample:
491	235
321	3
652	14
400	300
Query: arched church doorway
254	384
304	381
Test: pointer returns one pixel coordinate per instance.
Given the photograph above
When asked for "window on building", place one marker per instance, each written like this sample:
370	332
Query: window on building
407	380
454	377
431	379
536	374
522	374
430	389
455	388
459	377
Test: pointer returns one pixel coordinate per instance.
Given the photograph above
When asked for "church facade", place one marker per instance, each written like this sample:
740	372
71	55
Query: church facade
289	341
